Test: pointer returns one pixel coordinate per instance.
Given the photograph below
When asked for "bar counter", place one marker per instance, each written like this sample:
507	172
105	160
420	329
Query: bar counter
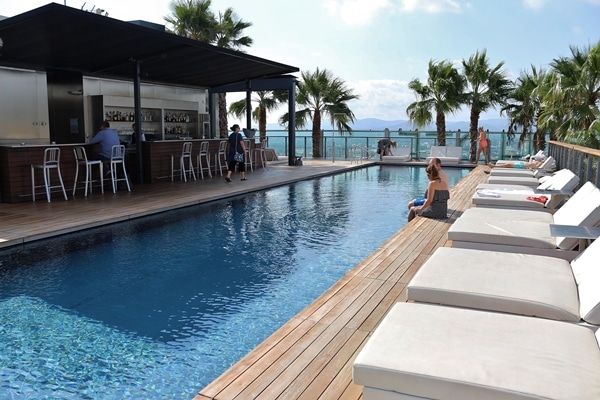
16	160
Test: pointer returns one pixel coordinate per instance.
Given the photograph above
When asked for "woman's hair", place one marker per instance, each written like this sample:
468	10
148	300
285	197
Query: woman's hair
394	144
432	171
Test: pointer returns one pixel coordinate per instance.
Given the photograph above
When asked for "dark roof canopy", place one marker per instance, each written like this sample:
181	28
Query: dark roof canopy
60	37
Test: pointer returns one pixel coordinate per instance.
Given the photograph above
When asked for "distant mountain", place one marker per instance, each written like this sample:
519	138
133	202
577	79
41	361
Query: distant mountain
374	124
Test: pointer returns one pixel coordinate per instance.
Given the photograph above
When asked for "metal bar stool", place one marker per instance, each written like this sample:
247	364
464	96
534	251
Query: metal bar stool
185	156
221	155
263	153
117	156
204	153
248	154
82	160
51	162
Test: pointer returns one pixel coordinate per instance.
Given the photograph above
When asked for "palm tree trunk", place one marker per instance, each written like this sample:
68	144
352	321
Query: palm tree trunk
440	123
262	123
473	120
223	129
316	135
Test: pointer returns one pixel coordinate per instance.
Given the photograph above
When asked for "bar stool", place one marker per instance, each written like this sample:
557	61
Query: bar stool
82	160
204	153
51	162
221	155
248	154
117	156
185	156
263	153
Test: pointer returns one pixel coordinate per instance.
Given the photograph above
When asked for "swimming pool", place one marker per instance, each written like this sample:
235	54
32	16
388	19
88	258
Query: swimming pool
159	307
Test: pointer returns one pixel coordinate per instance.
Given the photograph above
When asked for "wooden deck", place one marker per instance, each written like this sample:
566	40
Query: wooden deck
311	356
21	223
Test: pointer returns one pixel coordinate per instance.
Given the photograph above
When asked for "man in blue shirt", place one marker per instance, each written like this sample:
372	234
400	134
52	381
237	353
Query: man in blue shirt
107	138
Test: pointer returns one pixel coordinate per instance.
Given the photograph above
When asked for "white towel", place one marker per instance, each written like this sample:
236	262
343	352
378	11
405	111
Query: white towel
487	193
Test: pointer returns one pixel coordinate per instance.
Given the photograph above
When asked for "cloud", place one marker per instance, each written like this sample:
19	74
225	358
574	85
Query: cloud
355	12
534	4
383	99
430	6
388	99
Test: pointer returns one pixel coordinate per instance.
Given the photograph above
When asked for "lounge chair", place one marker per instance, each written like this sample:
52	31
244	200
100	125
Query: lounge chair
546	167
530	181
424	351
515	178
400	154
524	231
447	154
562	185
556	181
271	155
513	283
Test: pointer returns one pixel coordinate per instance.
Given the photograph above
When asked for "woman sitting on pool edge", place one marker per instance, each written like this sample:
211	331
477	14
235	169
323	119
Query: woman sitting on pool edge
436	197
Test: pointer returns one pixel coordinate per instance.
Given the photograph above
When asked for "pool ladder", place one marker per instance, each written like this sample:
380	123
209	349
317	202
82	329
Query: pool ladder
360	153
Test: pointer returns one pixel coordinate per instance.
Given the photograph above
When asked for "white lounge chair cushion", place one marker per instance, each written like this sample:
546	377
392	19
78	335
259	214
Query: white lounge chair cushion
437	151
398	154
514	180
586	271
561	180
454	152
503	232
493	186
446	154
583	208
446	353
507	282
507	214
512	172
508	199
564	179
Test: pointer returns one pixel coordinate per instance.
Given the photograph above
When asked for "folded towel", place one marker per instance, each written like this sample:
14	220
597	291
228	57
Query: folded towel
487	193
539	199
499	192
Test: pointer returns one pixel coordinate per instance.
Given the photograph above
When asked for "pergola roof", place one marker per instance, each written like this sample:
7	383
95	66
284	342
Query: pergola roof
60	37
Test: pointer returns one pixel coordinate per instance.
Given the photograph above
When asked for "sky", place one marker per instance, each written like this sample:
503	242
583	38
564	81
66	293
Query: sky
378	46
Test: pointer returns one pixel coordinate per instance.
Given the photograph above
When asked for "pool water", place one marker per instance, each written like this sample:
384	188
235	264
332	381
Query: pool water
160	306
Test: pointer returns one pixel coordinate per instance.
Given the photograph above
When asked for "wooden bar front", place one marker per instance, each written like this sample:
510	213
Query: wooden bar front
16	160
15	169
157	156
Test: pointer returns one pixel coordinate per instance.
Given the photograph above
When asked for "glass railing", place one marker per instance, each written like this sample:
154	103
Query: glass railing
420	143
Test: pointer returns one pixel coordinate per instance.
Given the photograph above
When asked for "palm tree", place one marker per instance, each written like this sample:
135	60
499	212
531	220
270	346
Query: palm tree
524	105
321	94
268	100
230	36
488	88
193	19
573	95
442	95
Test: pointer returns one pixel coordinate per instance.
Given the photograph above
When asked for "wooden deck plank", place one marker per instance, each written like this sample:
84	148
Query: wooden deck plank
305	368
326	379
299	349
